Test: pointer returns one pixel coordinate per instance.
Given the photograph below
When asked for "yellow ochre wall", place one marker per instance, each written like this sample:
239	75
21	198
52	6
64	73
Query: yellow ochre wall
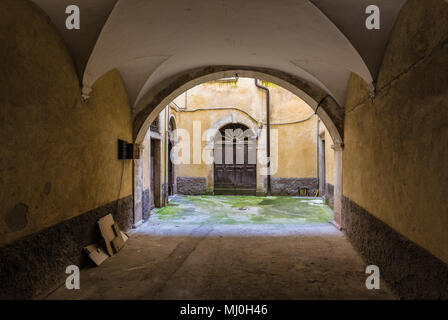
296	144
58	154
297	150
396	156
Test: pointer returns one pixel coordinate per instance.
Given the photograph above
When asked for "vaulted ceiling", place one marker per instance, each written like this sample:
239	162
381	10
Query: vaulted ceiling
148	41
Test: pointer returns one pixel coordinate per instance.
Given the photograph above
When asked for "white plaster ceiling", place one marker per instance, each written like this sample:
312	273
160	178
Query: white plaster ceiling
349	15
148	41
94	14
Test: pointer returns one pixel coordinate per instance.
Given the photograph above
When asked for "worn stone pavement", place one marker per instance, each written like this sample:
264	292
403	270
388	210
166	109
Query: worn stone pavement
232	248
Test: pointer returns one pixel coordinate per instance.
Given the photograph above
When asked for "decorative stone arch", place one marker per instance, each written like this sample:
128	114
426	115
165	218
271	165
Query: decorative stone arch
329	111
173	126
160	95
234	118
173	119
171	130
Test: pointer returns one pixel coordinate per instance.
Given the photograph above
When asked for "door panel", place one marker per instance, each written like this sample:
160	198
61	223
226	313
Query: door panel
235	170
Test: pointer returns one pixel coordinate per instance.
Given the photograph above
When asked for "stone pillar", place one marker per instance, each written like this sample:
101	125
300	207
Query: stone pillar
209	159
261	178
137	165
337	206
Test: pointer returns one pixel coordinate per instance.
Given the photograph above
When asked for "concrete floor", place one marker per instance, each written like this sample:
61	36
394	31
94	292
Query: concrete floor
232	248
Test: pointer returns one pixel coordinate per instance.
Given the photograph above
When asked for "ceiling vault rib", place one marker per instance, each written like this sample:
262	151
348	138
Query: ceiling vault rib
325	41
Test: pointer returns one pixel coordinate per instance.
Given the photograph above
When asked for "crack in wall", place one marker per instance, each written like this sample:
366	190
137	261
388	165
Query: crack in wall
381	91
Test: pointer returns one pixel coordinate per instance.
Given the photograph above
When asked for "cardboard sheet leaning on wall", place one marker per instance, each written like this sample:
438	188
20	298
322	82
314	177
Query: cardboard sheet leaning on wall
113	241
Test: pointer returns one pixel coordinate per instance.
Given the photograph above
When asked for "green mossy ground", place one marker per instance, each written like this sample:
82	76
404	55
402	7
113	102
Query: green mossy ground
245	210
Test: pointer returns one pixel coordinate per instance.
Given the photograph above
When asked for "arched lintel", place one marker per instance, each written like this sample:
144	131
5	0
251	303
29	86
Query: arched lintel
157	98
242	119
173	126
173	120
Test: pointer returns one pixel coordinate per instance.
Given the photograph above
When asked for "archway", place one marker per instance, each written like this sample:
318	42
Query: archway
324	105
156	99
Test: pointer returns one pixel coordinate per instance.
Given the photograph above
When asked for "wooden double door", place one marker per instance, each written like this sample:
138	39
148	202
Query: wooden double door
235	157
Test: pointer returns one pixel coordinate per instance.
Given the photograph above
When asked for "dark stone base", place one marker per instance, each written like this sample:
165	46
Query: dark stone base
411	271
191	185
290	186
35	264
146	204
329	195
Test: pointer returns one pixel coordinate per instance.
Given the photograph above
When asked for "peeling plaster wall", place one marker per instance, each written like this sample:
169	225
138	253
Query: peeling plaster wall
396	155
58	154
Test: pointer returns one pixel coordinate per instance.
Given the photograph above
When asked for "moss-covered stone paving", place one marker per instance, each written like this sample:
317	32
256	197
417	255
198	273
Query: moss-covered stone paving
244	210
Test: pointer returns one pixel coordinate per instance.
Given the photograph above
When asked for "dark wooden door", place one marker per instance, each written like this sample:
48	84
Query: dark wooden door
153	180
235	163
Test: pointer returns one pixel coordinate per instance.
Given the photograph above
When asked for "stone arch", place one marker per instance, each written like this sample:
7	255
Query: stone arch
172	169
234	118
157	98
172	127
172	120
324	105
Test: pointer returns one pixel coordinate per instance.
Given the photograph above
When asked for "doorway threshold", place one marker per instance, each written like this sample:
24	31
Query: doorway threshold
235	191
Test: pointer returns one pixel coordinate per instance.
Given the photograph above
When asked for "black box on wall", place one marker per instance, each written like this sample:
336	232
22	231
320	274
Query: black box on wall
127	150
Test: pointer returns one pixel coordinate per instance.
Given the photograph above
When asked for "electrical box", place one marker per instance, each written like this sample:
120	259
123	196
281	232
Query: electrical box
122	149
128	150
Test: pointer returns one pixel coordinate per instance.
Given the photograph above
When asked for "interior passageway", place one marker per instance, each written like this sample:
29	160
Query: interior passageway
338	108
246	248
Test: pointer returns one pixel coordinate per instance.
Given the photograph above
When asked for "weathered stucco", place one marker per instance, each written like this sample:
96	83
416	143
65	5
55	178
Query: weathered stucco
395	156
329	158
297	150
146	158
241	101
156	99
58	155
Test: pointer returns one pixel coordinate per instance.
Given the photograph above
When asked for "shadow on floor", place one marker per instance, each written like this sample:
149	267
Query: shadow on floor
181	256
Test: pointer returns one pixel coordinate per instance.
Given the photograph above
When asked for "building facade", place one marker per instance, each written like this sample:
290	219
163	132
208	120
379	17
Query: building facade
212	139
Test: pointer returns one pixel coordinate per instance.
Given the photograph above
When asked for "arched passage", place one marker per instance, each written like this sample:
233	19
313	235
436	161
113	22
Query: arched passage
324	105
59	164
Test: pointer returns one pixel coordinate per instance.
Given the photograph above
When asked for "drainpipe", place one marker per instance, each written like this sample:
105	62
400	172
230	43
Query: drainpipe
165	184
268	132
318	154
318	138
